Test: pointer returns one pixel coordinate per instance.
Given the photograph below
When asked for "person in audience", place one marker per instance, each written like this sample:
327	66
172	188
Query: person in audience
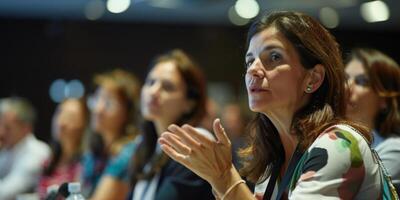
68	129
212	112
174	92
302	147
114	115
374	100
234	123
21	155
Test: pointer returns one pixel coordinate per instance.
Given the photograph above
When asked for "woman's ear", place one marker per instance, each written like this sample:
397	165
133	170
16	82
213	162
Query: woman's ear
315	78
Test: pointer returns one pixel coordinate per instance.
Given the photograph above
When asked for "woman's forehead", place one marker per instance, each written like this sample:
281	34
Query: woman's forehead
355	67
268	37
166	71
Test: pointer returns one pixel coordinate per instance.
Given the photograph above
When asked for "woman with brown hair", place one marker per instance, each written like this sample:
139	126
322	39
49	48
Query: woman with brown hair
174	92
301	146
69	126
114	113
374	100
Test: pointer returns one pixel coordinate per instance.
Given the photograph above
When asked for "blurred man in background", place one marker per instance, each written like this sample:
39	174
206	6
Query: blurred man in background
21	154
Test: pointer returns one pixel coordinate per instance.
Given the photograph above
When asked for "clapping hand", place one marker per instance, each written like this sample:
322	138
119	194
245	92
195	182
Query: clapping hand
209	158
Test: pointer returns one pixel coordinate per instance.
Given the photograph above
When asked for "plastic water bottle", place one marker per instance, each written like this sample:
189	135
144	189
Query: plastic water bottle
74	190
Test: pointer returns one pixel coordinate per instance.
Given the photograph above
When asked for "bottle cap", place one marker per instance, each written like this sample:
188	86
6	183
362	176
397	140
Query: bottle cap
74	187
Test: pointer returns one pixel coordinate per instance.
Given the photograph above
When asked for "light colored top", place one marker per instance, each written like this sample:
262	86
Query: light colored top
146	189
389	152
338	165
20	166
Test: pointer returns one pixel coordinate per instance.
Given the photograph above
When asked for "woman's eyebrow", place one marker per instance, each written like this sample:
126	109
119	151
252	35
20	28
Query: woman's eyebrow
266	48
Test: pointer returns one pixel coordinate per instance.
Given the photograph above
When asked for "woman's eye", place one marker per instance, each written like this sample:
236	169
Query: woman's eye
361	80
149	82
249	62
274	57
168	86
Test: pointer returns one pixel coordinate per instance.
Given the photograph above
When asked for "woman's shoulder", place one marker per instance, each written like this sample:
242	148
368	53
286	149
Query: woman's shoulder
341	144
122	144
345	134
340	160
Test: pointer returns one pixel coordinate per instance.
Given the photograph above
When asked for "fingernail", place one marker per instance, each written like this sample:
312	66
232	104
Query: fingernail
172	127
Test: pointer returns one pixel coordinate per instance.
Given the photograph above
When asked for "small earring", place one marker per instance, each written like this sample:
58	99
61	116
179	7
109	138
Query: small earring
308	89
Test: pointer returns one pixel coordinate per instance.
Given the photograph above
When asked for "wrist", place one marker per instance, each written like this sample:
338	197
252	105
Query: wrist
222	183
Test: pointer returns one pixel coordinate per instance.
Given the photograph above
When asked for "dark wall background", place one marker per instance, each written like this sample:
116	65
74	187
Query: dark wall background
33	53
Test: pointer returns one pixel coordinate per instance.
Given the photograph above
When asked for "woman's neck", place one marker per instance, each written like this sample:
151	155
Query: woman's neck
160	127
68	152
109	138
365	120
283	124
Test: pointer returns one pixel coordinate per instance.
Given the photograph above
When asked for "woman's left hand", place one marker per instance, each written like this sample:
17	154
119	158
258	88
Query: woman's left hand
209	158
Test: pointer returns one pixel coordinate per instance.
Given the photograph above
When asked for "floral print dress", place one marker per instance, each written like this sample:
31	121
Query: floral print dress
338	165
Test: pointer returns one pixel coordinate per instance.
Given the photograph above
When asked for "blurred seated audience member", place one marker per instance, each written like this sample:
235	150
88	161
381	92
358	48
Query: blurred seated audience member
68	128
21	155
113	109
374	100
235	123
212	112
174	92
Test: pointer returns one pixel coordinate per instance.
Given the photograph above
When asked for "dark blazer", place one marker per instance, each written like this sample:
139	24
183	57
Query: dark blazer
179	183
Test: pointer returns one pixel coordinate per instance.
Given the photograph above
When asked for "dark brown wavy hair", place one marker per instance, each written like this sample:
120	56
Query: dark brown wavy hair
384	76
196	91
326	107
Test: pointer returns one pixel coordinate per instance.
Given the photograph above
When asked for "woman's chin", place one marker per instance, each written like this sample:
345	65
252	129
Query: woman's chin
254	108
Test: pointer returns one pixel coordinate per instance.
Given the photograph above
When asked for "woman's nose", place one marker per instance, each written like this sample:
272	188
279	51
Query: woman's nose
155	89
99	106
256	69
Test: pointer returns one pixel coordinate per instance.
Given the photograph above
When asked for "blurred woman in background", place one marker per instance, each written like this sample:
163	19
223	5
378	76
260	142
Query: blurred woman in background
113	122
68	129
174	92
374	100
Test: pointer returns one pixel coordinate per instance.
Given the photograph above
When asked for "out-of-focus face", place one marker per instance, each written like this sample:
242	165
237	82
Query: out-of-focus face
163	96
233	120
363	101
275	76
69	122
108	111
12	130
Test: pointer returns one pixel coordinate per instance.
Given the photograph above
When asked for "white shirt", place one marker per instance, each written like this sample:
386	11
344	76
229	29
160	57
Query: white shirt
21	166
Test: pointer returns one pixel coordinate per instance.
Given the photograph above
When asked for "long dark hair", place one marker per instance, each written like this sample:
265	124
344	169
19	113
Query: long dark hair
384	75
314	45
196	91
56	148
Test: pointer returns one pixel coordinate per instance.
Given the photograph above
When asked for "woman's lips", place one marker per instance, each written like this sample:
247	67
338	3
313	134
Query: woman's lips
153	104
257	89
